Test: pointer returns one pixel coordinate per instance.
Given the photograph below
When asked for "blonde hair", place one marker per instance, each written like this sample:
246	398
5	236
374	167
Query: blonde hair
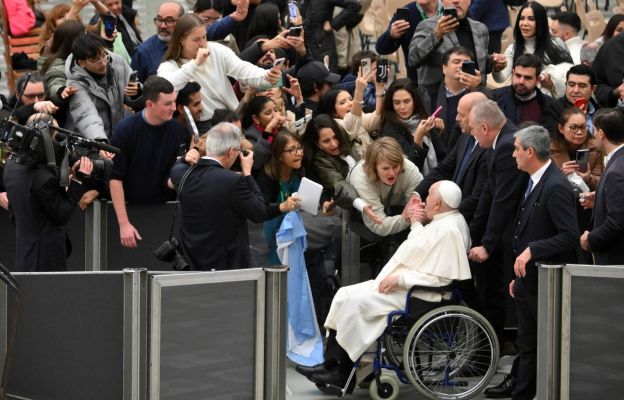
383	149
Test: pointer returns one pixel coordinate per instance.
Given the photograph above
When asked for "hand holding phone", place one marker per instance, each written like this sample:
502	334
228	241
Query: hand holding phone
469	67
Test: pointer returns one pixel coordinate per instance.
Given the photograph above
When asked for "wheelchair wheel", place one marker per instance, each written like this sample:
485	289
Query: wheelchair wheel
393	341
387	390
451	353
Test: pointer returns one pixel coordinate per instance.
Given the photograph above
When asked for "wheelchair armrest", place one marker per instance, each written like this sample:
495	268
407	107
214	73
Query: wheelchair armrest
433	289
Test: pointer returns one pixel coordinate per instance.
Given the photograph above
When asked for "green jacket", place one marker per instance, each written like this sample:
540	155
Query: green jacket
332	172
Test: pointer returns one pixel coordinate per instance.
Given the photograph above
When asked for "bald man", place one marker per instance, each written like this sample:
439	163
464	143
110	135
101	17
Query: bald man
149	54
358	313
466	163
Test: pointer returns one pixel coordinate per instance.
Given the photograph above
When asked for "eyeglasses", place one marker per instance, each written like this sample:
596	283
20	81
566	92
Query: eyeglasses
103	59
294	150
576	128
169	21
33	96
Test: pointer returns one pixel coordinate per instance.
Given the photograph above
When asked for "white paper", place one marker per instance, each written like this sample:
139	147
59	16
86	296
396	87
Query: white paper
310	193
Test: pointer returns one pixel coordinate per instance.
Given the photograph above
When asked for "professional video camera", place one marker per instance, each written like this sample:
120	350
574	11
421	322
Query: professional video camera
33	145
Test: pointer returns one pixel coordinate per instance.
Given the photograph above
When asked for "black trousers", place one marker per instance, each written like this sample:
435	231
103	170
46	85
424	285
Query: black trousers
526	310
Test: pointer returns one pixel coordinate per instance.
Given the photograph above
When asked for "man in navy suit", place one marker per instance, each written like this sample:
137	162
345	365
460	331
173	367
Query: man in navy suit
491	225
215	203
545	230
606	239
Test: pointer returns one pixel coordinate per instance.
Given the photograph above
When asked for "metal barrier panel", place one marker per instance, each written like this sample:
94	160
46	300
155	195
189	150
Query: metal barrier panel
350	270
75	230
275	341
153	223
549	331
592	355
71	336
219	356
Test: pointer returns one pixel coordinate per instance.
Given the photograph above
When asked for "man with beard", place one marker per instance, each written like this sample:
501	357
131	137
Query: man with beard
149	54
523	101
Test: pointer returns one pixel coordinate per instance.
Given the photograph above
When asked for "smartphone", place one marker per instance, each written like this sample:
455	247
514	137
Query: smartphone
366	66
133	77
436	112
469	67
580	103
294	31
582	159
293	12
382	70
190	123
402	13
279	62
109	22
452	11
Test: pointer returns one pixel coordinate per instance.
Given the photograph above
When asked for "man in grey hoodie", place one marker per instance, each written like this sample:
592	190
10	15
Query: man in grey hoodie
102	80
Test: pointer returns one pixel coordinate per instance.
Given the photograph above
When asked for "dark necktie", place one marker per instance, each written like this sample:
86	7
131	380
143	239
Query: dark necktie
465	161
529	188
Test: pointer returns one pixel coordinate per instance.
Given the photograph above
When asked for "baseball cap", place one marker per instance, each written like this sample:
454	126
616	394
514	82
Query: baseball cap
316	71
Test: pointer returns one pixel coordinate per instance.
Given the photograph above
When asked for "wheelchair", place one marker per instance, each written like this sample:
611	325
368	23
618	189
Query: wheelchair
445	350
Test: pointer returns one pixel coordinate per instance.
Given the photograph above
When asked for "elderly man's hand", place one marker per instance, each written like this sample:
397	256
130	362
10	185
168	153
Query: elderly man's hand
46	107
585	241
246	162
4	200
521	261
478	254
389	284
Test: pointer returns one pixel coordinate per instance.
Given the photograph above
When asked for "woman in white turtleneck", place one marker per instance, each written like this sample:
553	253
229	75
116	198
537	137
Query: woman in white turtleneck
532	36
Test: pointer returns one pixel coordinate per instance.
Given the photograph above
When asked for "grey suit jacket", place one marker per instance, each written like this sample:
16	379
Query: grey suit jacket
426	51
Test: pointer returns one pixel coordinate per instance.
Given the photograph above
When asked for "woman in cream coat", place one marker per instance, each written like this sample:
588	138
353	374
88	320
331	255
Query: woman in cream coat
190	57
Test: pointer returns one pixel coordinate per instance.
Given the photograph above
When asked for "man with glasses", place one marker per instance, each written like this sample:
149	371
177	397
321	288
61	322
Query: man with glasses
102	82
215	203
149	54
580	88
29	98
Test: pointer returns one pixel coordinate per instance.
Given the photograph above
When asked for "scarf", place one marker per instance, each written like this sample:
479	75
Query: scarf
431	160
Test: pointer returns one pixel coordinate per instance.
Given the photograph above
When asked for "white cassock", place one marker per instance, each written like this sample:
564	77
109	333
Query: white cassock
432	255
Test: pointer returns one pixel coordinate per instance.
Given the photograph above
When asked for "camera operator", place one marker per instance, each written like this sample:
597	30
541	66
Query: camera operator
29	98
215	203
41	207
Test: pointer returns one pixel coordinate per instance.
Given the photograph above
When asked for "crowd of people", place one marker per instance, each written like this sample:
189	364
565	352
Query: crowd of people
232	103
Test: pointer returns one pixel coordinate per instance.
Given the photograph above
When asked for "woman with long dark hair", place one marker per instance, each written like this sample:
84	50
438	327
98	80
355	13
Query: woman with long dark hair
347	111
190	57
53	69
531	35
614	27
327	159
261	122
405	118
279	180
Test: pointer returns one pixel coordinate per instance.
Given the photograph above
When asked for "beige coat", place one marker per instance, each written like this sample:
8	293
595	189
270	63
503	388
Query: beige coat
379	194
432	255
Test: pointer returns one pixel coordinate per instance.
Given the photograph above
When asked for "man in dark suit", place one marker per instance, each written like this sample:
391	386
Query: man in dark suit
491	226
215	203
466	163
545	230
606	239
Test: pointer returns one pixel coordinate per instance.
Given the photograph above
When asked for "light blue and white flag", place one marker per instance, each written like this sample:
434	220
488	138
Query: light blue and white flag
304	345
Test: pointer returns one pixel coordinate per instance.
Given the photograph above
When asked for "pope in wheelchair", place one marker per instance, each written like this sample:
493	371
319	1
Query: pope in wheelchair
433	256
